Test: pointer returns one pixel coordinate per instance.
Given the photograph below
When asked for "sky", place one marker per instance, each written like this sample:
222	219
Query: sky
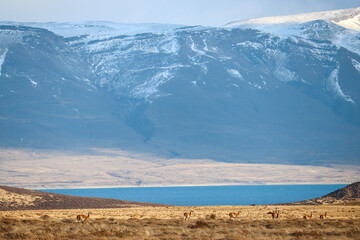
185	12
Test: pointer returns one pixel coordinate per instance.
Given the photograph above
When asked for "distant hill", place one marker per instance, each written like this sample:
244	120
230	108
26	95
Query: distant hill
22	199
348	194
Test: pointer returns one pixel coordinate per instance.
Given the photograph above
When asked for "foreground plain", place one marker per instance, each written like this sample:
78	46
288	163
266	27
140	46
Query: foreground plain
207	222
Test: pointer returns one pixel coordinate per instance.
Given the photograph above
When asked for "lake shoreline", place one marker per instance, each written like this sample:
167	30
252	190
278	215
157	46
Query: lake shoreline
192	185
208	195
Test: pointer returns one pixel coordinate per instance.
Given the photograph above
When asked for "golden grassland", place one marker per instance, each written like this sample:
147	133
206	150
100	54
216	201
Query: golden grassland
207	222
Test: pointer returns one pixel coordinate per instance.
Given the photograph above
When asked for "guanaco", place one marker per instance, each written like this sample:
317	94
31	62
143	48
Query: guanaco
274	214
187	215
308	216
82	218
234	215
323	216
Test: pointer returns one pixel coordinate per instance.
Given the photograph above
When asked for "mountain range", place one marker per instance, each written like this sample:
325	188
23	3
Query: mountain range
272	90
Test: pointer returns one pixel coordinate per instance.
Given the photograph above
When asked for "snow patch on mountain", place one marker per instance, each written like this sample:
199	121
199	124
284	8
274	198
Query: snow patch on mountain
150	86
2	58
197	50
281	71
332	85
255	85
249	44
170	67
284	74
169	44
235	73
33	82
356	64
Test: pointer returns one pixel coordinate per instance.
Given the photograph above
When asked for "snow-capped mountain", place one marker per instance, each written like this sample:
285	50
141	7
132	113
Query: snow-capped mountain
97	30
341	27
240	93
47	97
346	18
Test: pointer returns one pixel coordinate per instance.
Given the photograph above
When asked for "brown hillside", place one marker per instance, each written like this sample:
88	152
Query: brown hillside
22	199
348	194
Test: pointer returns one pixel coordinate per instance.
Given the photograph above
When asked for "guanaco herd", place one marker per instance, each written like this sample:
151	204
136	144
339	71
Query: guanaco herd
187	215
322	216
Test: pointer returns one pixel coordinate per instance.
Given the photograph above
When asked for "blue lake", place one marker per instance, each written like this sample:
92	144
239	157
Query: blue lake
208	195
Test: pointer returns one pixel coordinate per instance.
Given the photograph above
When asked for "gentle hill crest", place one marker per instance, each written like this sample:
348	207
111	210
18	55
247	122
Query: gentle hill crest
348	194
23	199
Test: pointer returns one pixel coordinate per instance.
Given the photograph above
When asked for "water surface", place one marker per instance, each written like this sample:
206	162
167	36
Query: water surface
208	195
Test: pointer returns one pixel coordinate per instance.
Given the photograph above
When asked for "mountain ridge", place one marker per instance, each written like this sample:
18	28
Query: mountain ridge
228	94
347	18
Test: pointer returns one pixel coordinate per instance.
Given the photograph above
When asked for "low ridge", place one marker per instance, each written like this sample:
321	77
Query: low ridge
346	195
12	198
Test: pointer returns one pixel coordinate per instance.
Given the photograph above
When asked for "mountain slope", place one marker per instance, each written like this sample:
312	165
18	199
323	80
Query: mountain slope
205	92
230	94
46	95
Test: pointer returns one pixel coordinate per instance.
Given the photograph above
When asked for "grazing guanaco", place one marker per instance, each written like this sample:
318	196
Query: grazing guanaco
187	215
308	216
323	216
82	218
274	214
234	215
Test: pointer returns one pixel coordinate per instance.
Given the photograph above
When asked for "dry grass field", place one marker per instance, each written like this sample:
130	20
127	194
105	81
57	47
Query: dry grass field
207	222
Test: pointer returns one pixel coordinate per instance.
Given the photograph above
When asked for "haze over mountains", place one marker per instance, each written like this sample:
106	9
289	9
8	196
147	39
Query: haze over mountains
272	92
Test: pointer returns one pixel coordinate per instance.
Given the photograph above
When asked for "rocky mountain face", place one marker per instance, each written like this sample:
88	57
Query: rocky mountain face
234	94
47	98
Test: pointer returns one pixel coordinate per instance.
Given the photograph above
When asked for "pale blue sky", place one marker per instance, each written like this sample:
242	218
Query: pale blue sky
187	12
